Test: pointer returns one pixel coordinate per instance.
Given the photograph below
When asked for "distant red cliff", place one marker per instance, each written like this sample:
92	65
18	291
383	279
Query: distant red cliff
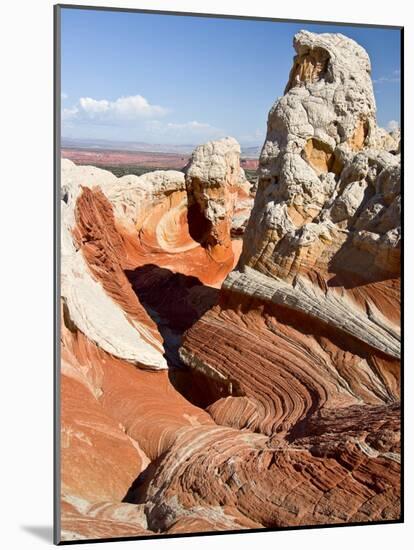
130	158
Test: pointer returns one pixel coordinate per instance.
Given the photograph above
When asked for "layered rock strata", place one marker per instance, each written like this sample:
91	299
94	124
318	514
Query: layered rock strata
305	339
122	240
214	179
271	399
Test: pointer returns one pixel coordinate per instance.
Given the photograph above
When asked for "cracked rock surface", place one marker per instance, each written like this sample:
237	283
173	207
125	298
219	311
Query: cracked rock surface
229	365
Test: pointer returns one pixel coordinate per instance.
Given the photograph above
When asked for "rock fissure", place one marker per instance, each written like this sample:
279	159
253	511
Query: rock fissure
219	383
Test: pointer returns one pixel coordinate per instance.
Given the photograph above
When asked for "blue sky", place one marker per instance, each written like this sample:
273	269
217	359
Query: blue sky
184	80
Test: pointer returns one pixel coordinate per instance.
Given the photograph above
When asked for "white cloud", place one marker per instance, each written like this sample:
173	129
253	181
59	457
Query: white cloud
64	96
192	125
394	77
69	113
184	130
124	110
93	106
255	136
132	117
393	125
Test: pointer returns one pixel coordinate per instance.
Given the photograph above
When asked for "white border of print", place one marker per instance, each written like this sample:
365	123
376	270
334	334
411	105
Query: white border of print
27	272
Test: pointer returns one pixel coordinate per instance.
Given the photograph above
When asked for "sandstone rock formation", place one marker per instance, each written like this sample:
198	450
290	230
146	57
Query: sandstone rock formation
122	240
271	399
307	327
214	179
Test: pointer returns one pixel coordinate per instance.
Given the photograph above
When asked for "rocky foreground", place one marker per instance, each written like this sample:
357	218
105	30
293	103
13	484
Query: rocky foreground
229	365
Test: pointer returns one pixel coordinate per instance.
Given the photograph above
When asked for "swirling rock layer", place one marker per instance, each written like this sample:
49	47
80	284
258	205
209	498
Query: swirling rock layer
305	339
201	391
122	321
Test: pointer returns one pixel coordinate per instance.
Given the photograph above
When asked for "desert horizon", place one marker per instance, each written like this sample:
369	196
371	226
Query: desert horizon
230	300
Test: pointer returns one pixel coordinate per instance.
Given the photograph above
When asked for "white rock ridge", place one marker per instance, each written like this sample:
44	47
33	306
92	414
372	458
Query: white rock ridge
91	310
330	307
328	199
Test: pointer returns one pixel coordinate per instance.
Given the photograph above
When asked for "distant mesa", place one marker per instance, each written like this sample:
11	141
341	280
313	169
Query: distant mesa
129	158
231	351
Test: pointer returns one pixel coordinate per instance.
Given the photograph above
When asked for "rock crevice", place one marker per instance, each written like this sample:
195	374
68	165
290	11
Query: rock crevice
218	391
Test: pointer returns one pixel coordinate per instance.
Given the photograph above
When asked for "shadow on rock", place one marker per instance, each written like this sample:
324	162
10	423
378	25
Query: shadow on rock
175	302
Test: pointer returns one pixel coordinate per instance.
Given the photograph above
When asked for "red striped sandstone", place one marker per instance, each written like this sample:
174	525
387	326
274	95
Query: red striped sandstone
119	414
305	339
295	360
